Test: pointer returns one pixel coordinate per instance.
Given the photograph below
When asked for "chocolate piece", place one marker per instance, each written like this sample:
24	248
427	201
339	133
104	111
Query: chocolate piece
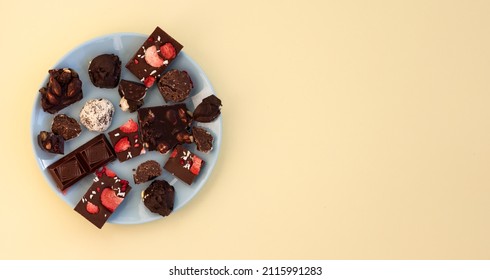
203	139
147	171
175	85
159	197
151	59
105	71
85	159
208	109
184	165
163	127
96	114
125	140
65	126
132	95
51	142
63	88
103	197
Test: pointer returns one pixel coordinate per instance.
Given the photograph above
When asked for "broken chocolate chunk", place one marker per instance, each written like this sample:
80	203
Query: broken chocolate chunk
159	197
63	88
51	142
132	95
203	139
208	110
163	127
147	171
65	126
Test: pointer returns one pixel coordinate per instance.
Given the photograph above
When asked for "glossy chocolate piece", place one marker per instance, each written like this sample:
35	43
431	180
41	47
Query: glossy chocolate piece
105	71
79	163
163	127
175	85
159	197
103	197
126	142
132	95
208	110
63	89
184	165
151	59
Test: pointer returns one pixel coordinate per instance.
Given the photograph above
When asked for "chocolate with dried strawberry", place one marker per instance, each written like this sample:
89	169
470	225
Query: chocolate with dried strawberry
103	198
126	142
153	57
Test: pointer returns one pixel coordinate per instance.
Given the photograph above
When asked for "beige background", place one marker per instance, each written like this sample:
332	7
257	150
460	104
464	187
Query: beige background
352	130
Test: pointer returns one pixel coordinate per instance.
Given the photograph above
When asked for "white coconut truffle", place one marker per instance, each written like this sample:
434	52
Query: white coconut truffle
96	114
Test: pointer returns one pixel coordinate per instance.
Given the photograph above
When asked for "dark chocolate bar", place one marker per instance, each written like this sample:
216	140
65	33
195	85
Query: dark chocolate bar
151	59
163	127
84	160
184	165
103	197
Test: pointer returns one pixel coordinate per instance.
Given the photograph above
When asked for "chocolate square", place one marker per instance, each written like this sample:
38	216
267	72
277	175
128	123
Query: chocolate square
151	59
71	168
126	142
184	165
103	197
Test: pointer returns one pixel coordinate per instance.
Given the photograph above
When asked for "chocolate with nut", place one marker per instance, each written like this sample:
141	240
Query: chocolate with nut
151	59
51	142
63	89
65	126
147	171
163	127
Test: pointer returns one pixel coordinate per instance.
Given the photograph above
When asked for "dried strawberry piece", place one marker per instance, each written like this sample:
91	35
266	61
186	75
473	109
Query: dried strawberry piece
110	200
152	57
168	51
149	81
92	208
129	127
196	165
122	145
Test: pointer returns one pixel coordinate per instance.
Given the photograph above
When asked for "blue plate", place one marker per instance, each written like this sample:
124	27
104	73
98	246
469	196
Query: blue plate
132	210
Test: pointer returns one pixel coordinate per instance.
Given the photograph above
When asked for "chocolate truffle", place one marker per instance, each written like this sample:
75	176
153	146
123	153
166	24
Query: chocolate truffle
147	171
96	114
208	110
159	197
175	85
65	126
105	71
